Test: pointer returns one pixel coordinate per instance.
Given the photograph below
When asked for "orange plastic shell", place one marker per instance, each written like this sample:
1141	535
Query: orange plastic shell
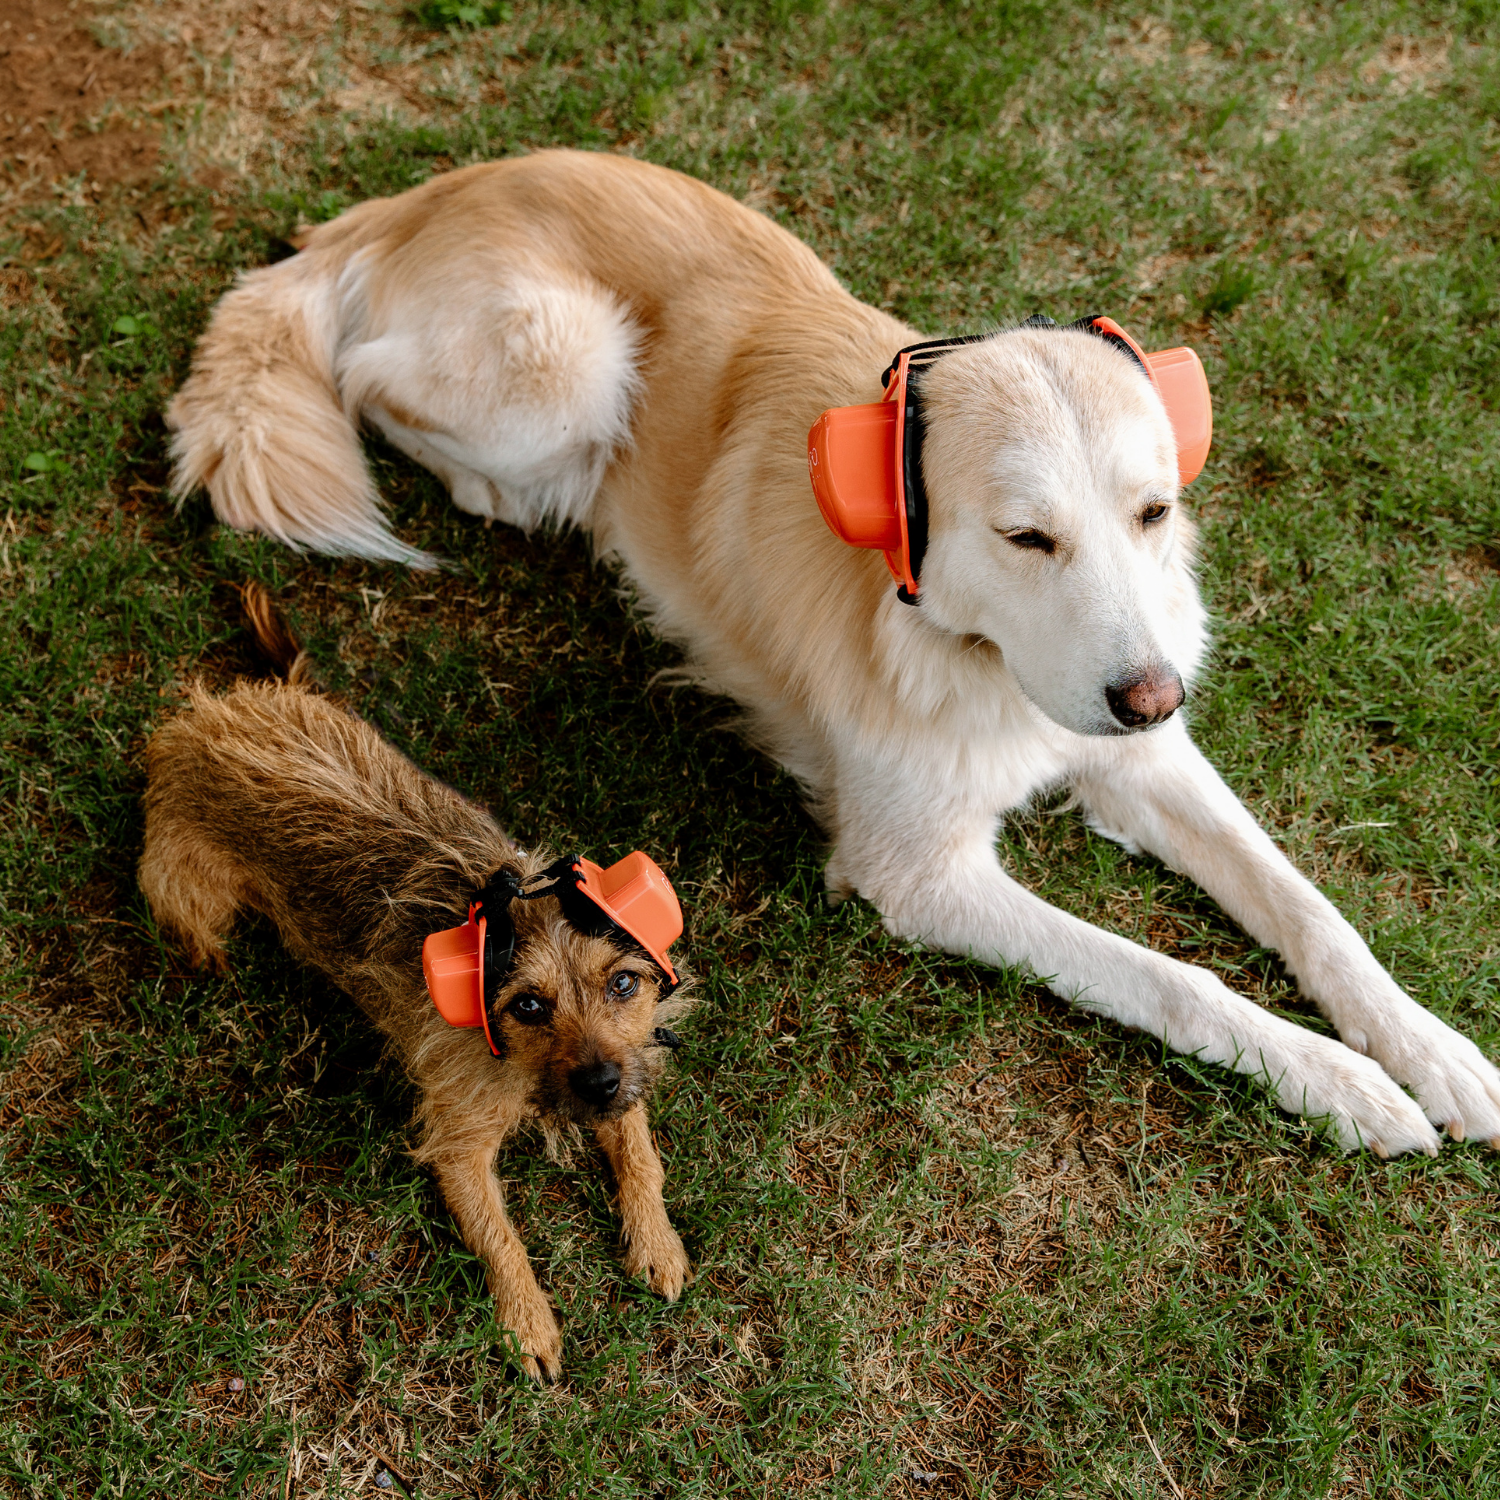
636	893
854	461
851	458
1180	378
453	966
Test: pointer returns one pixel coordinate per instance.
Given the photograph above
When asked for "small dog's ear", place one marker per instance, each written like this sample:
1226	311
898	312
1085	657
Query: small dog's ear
664	1038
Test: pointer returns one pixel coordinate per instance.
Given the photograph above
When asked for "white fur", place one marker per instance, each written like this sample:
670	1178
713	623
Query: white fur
533	409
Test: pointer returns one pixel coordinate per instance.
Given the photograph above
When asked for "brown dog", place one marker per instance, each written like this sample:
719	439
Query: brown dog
272	799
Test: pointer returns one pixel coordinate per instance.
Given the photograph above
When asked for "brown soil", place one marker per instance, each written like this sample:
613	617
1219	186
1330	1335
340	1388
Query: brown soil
69	105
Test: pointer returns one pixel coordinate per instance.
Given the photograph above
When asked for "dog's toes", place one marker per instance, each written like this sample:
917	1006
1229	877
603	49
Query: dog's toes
669	1281
541	1369
655	1254
1458	1086
537	1338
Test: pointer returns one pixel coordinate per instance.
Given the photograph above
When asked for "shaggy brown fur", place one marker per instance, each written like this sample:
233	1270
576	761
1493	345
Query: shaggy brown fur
272	799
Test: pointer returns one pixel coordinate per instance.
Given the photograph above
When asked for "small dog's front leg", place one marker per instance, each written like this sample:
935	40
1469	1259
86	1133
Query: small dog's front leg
652	1247
473	1196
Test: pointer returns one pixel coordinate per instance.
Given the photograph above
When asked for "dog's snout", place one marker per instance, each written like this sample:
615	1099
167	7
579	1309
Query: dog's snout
595	1083
1149	698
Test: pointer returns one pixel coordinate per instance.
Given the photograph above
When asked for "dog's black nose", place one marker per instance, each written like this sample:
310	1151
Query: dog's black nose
596	1083
1149	698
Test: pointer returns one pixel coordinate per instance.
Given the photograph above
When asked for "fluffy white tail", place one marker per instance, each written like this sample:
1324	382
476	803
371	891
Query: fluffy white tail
260	426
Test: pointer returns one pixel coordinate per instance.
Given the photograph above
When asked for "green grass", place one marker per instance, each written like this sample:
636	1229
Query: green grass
951	1238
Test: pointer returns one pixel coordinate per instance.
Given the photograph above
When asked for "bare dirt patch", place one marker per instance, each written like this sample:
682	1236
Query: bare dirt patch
89	94
69	107
1411	63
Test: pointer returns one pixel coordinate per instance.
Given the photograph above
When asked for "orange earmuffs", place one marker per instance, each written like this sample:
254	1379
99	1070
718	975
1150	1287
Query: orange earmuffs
866	461
631	901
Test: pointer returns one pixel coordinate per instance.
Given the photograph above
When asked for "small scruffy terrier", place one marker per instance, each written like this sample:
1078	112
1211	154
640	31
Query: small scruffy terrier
273	799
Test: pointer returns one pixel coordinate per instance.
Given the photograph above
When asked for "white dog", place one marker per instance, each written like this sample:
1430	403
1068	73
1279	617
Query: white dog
580	339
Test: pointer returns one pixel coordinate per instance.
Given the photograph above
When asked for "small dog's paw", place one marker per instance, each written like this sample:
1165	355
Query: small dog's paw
545	1369
654	1252
539	1338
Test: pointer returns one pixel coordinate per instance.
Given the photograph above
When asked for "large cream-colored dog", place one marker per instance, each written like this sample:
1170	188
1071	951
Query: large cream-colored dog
578	339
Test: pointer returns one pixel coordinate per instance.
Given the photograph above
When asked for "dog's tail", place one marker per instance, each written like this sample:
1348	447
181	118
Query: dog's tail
274	638
259	423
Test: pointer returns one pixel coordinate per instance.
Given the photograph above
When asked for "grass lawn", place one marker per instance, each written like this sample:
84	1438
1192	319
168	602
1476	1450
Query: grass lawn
951	1238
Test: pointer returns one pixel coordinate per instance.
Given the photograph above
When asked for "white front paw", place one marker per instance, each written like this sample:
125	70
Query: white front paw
1457	1086
1362	1104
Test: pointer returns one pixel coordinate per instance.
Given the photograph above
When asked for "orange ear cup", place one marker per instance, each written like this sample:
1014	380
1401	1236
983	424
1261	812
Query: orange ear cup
453	966
1183	385
1178	377
639	897
851	457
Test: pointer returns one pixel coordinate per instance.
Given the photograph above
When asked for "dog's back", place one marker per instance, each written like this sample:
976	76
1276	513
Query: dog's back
272	798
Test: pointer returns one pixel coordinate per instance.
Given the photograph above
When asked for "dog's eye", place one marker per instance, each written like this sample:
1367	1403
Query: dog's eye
1153	512
624	985
1035	541
528	1010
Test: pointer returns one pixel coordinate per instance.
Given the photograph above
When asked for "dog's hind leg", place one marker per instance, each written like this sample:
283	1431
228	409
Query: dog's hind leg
1157	792
193	888
517	398
466	1174
471	491
652	1247
931	868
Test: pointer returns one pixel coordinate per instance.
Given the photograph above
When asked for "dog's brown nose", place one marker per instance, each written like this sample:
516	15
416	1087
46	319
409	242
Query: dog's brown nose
595	1083
1147	699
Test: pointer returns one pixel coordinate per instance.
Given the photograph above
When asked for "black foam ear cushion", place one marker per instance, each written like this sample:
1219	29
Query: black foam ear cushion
912	481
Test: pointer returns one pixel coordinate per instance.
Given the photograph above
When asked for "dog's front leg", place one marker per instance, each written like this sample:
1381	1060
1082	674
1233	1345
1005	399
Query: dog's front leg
472	1193
929	864
652	1247
1158	793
